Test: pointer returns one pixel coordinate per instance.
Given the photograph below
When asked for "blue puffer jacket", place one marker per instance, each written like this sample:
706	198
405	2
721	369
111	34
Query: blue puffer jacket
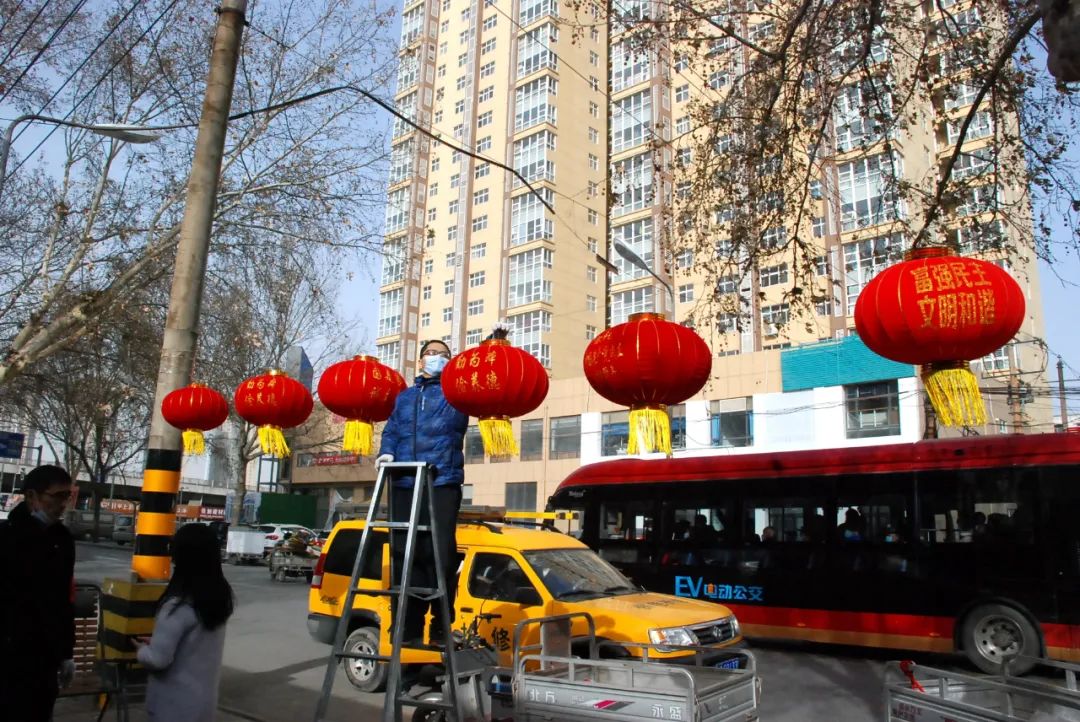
424	427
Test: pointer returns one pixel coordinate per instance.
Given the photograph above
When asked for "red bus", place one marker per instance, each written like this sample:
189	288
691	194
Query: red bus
970	545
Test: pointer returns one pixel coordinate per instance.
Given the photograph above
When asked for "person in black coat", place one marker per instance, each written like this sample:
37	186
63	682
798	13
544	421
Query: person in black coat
37	618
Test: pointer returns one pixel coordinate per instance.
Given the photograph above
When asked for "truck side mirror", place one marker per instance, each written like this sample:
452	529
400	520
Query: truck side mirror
527	597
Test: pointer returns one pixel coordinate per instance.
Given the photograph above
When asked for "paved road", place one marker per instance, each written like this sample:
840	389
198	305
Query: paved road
273	670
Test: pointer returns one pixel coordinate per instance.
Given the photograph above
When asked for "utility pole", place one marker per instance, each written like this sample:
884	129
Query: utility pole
1061	395
1015	403
161	479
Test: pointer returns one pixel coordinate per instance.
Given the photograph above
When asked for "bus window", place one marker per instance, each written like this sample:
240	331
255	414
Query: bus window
791	519
626	531
696	534
878	518
992	506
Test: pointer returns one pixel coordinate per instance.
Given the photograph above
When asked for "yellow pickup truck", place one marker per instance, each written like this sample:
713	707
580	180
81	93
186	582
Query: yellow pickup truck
512	572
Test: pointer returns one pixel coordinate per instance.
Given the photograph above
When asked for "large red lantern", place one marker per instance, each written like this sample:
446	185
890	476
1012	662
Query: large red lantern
939	310
493	382
194	409
363	391
273	401
648	363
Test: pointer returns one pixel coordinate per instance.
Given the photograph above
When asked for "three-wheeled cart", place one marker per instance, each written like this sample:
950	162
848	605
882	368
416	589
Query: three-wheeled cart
927	694
287	564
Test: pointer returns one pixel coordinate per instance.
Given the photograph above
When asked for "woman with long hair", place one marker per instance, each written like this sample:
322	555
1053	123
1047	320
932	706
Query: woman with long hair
184	654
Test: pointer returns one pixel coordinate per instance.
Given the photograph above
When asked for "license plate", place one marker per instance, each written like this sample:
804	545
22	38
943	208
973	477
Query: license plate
733	663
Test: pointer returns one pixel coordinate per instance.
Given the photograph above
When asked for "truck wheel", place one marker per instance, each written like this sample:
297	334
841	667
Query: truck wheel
992	633
367	675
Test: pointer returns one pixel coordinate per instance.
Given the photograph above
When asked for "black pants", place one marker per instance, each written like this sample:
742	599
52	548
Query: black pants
28	689
446	504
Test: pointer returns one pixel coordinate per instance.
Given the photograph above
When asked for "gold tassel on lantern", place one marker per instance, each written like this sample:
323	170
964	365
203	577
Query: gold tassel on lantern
358	437
272	441
194	442
650	430
498	436
954	394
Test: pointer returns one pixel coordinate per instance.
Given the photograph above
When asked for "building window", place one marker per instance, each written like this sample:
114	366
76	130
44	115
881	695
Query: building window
773	275
448	314
528	217
594	109
565	437
479	250
533	51
479	223
521	496
486	94
476	308
686	293
638	237
614	432
480	196
866	198
677	417
393	264
629	66
685	259
625	303
389	354
864	259
473	336
532	439
594	162
448	287
731	422
528	330
476	279
482	170
590	333
592	217
490	22
487	69
487	46
631	120
527	283
390	308
631	184
484	119
997	361
534	103
873	410
532	157
590	273
426	293
451	259
425	319
594	135
775	315
432	214
474	446
397	210
682	93
857	115
682	125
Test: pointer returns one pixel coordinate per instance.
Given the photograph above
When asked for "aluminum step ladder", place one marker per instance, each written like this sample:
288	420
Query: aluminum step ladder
396	698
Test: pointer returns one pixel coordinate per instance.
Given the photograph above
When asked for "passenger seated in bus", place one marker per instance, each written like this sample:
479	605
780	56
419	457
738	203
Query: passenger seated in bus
702	532
814	530
852	529
768	535
682	530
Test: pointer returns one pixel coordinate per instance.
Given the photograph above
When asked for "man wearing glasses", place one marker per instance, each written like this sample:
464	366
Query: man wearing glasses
425	427
37	619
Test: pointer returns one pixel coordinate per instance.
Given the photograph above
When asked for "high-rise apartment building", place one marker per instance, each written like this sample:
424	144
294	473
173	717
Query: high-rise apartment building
605	134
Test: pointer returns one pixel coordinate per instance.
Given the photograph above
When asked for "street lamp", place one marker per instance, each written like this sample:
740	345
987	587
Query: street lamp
635	260
119	131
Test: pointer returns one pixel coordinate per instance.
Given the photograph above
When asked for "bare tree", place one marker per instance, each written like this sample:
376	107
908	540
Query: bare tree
787	100
83	242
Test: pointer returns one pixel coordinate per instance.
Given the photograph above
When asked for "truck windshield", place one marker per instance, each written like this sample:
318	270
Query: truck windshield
578	573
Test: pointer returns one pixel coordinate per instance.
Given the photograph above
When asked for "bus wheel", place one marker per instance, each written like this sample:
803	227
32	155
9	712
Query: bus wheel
992	633
367	675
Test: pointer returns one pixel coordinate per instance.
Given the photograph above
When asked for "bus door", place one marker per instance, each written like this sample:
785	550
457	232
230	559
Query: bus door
1061	512
783	554
626	534
872	563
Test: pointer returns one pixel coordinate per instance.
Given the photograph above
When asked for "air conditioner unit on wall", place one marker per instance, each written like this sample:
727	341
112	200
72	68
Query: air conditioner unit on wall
770	329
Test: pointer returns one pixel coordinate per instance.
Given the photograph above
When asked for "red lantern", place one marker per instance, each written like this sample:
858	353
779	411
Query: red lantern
194	409
939	310
493	382
273	401
363	391
648	363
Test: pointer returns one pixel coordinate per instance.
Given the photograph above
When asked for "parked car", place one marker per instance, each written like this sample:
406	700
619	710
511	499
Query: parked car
123	529
515	573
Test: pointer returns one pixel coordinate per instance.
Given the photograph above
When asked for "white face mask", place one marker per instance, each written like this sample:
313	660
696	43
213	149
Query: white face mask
43	516
434	365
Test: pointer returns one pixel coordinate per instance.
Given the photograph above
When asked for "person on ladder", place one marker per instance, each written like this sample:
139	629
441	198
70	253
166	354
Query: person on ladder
425	427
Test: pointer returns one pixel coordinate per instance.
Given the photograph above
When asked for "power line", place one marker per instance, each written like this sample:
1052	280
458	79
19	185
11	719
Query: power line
101	79
45	46
22	35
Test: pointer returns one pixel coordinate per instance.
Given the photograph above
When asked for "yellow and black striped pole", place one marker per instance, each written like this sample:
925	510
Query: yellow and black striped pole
156	522
131	603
